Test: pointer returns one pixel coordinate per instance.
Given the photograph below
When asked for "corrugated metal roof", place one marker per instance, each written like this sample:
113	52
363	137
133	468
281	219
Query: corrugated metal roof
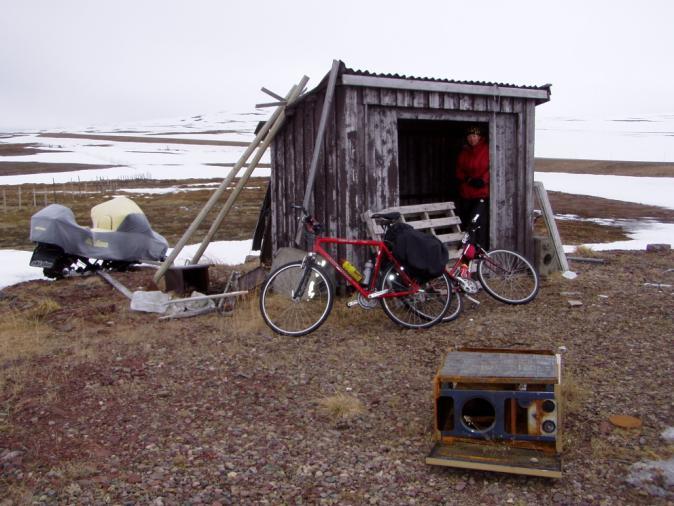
367	73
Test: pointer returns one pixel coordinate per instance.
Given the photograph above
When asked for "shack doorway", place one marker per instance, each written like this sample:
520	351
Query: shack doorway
427	153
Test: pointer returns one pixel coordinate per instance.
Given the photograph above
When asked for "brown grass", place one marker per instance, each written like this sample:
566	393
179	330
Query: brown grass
574	395
22	336
341	407
585	251
169	214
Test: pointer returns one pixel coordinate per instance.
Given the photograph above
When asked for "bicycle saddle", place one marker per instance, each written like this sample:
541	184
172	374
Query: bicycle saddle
393	216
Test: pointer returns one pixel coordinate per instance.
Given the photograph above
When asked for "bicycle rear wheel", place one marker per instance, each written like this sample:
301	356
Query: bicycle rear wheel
421	309
296	300
508	277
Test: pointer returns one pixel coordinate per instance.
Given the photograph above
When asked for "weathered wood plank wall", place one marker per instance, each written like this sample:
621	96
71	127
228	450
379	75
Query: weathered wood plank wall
358	169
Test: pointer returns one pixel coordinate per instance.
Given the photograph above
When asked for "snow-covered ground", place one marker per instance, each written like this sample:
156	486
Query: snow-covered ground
164	160
647	138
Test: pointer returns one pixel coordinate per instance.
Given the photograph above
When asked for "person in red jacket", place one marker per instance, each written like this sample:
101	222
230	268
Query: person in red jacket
472	172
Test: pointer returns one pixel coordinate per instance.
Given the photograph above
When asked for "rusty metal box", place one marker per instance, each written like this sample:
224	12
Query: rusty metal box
187	278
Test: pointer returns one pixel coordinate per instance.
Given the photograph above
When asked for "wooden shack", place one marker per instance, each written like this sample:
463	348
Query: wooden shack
393	140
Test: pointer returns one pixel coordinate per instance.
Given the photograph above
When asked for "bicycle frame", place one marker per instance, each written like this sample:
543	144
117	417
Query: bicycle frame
382	252
465	258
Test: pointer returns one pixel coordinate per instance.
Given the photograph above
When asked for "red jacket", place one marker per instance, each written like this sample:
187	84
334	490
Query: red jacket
473	163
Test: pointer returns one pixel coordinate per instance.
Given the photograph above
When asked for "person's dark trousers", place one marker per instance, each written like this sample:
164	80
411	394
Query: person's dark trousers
468	208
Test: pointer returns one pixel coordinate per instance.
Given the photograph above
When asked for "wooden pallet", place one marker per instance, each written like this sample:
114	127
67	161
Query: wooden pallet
437	219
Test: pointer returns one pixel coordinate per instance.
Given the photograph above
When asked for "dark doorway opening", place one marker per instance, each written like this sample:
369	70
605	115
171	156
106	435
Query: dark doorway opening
427	153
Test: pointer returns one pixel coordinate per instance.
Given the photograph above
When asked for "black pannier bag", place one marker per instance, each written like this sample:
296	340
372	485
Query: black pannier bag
423	255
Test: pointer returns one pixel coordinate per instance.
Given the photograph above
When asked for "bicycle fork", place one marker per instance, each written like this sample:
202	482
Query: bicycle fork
307	263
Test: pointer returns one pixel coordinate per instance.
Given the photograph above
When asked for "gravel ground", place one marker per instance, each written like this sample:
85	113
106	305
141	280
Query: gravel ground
116	407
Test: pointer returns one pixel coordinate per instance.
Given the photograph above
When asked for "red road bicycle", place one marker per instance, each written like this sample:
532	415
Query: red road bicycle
297	298
505	275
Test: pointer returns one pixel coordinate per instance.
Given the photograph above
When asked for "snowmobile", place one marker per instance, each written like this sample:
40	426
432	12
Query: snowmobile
121	236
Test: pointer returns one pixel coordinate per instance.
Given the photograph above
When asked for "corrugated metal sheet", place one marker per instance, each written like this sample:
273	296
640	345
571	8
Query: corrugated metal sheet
367	73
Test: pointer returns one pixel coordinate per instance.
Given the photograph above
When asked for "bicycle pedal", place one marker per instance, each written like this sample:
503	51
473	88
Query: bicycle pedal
352	303
376	295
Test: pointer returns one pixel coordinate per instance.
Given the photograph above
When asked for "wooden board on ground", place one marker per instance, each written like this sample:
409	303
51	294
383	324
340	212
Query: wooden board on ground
437	218
503	459
549	218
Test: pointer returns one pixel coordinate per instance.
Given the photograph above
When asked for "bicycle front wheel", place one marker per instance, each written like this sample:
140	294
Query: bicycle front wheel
455	304
296	300
508	277
421	309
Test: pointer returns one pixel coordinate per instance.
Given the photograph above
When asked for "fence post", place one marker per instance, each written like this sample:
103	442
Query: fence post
19	197
4	200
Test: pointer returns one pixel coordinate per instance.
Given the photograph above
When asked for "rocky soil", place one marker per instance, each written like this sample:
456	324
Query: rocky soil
112	406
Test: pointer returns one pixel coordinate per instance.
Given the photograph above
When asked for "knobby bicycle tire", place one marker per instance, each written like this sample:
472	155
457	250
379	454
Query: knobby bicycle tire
289	315
508	277
420	310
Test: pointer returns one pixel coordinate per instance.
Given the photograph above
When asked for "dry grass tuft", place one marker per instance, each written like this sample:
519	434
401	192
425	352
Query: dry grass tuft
21	336
341	407
574	395
585	251
245	318
42	309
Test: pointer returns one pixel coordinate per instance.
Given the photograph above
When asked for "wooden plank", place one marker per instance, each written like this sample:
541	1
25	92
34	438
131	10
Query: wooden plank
450	238
549	218
528	189
272	94
466	102
371	96
116	284
443	87
496	457
435	222
418	216
388	97
419	99
480	103
271	104
420	208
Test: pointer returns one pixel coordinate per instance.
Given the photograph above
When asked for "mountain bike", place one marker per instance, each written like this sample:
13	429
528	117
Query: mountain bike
297	297
505	275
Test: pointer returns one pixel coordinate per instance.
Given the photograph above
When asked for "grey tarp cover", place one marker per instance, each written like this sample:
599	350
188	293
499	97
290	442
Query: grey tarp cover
134	240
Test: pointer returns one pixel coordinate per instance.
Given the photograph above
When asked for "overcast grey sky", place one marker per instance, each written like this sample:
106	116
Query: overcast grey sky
82	62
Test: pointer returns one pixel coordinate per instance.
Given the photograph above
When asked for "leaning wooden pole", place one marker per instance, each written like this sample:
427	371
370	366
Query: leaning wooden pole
245	176
221	189
318	144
